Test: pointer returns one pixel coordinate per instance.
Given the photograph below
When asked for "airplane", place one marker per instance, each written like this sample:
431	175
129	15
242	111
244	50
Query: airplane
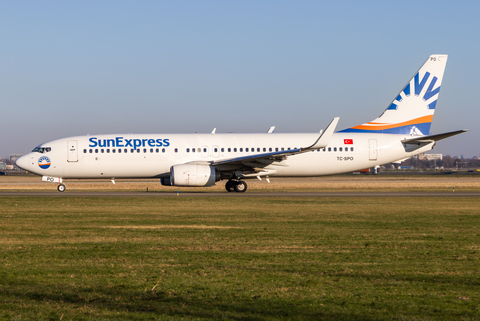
187	160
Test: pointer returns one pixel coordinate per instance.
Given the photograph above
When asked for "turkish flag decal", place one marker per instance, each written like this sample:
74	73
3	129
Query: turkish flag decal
348	141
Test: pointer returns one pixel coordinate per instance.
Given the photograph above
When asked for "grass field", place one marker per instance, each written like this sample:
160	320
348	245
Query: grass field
239	258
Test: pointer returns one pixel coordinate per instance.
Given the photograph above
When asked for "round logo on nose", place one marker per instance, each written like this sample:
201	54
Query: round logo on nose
44	162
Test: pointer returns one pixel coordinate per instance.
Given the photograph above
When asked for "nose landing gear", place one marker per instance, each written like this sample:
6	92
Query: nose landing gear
237	186
61	188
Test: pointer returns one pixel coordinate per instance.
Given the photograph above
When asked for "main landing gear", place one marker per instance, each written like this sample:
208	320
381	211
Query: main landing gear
61	188
236	186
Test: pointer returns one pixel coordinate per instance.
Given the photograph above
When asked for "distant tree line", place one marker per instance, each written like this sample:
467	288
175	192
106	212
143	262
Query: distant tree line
447	162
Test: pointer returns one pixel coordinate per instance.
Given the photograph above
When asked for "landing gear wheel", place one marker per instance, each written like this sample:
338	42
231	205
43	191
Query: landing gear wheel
240	187
61	188
230	186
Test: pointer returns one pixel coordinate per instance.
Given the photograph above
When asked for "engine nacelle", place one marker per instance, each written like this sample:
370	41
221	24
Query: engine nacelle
193	175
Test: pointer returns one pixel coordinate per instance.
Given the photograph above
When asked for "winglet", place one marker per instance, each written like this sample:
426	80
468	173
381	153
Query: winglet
325	136
321	142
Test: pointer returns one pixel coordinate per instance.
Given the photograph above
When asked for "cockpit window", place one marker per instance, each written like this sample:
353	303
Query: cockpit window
42	149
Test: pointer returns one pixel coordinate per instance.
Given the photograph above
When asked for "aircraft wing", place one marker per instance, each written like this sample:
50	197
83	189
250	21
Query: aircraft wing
268	158
422	139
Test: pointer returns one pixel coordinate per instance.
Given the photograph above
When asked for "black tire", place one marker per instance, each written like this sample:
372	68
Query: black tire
230	186
61	188
240	187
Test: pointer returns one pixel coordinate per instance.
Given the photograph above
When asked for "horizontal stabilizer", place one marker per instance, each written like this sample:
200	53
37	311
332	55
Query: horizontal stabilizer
433	137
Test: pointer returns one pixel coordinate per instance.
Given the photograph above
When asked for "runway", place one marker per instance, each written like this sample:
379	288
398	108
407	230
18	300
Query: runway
236	195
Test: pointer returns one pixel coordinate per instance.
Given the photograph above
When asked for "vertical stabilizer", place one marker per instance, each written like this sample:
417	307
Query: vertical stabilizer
411	112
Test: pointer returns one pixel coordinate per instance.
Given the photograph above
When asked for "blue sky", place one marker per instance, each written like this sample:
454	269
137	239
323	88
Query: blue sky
90	67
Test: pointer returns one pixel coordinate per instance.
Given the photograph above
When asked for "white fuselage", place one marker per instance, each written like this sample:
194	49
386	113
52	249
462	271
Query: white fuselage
153	155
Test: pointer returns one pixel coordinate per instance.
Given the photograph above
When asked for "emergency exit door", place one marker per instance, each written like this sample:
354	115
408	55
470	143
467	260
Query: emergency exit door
204	151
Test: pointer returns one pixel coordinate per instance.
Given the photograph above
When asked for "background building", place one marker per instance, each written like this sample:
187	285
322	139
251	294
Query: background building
430	156
11	160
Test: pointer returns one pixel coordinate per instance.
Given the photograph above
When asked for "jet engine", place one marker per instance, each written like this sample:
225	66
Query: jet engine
193	175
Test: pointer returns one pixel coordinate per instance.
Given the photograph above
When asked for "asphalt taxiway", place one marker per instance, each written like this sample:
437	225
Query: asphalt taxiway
247	194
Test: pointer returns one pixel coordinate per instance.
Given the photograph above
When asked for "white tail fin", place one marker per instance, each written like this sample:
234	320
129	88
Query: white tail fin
411	112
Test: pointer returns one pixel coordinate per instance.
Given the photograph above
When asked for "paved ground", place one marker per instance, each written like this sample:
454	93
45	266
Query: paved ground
330	186
247	194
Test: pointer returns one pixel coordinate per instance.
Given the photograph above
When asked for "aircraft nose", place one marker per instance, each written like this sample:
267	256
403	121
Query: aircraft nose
23	162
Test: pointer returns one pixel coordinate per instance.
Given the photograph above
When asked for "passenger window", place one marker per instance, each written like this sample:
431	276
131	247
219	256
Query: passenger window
334	149
264	149
90	151
283	149
108	150
96	150
222	150
125	150
241	149
246	149
351	149
188	150
119	150
84	151
235	149
151	150
131	150
329	149
204	150
199	150
288	148
258	149
138	150
229	149
114	150
163	150
102	150
340	149
157	150
176	150
276	149
193	150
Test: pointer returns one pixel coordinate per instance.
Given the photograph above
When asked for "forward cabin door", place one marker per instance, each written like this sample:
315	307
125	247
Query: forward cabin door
372	143
72	151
